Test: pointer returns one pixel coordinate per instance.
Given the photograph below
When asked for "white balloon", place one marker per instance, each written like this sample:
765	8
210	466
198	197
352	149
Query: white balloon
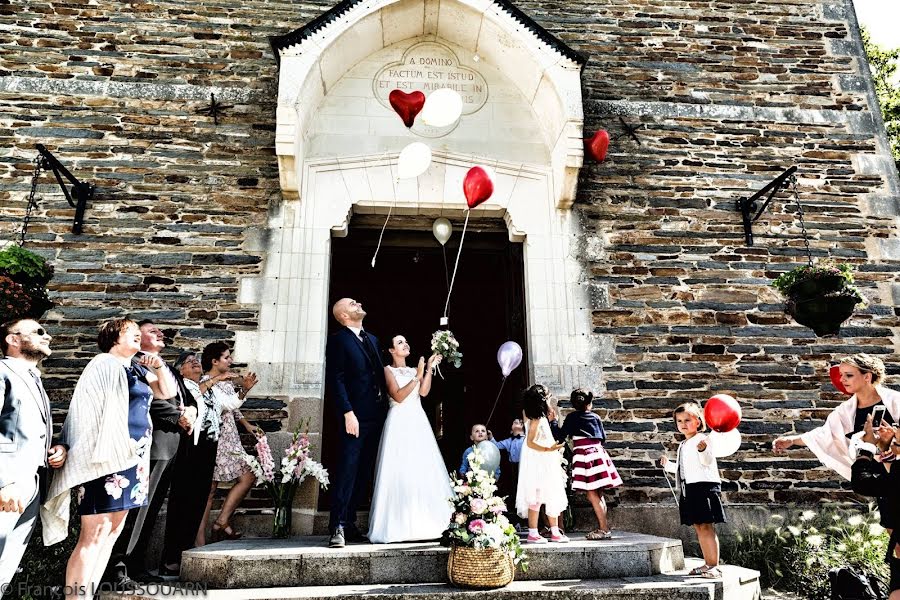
724	444
442	108
413	161
442	230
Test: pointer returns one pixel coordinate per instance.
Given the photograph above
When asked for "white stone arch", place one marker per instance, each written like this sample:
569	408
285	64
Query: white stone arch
546	76
329	171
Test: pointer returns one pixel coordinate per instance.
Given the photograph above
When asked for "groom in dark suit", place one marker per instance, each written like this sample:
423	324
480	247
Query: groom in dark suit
354	375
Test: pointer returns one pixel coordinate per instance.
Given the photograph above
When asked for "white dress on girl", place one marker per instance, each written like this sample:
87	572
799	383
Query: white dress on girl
542	479
412	486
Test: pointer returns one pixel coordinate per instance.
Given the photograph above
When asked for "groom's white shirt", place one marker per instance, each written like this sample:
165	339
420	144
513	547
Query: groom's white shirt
355	330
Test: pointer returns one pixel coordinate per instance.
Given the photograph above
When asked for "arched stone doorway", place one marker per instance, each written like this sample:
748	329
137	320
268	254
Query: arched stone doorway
337	145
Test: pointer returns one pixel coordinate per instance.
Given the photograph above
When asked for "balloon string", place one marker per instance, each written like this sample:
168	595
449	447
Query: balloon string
378	247
666	476
496	400
456	266
446	269
383	227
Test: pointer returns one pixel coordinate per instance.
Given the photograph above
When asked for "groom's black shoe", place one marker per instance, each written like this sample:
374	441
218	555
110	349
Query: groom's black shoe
337	538
354	536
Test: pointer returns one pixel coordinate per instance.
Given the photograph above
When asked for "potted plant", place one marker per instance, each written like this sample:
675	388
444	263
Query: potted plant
820	297
23	284
484	546
296	466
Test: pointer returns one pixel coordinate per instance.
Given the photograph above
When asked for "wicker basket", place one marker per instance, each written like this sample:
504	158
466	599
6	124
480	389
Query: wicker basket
481	568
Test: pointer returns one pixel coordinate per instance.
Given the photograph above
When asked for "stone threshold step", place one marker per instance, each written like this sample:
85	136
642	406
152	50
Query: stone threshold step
257	563
736	584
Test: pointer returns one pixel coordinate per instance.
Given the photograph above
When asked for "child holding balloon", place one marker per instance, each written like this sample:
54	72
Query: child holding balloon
697	478
542	480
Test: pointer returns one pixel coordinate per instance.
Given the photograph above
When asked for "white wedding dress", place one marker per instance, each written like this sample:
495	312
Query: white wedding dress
412	487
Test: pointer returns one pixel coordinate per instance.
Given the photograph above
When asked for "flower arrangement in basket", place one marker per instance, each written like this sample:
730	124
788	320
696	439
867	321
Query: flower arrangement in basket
484	546
820	297
296	466
444	344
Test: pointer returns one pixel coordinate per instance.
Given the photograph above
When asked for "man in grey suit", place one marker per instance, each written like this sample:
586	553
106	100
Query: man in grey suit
26	430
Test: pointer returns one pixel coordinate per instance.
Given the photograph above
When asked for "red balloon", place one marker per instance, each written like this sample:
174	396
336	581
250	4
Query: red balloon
407	105
722	413
477	186
597	145
835	373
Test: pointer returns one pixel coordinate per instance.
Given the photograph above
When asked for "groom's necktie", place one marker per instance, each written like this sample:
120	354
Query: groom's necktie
367	345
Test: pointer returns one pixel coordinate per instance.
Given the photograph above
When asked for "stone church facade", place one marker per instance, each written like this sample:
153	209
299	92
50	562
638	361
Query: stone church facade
638	283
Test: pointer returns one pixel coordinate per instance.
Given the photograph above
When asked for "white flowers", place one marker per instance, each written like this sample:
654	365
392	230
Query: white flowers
855	521
814	540
443	343
807	515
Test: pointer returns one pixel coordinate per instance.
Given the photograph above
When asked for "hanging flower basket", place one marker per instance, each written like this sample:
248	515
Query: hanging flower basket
824	314
819	297
23	289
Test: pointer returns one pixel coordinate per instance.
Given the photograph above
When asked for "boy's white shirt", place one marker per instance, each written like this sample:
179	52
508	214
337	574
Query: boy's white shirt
697	466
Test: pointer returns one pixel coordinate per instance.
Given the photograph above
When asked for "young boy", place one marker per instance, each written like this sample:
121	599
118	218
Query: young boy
478	434
507	486
513	444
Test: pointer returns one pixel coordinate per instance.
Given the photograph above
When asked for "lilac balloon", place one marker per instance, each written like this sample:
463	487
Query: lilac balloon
509	356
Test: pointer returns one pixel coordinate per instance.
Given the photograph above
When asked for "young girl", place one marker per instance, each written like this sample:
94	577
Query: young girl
592	469
542	479
697	478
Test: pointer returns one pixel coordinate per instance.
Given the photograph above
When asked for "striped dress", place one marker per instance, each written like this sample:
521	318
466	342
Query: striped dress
592	468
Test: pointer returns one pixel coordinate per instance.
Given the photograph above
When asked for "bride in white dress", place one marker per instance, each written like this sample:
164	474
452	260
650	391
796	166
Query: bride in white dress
412	487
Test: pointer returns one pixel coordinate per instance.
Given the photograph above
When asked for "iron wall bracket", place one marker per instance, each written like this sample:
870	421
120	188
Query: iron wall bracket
749	206
80	194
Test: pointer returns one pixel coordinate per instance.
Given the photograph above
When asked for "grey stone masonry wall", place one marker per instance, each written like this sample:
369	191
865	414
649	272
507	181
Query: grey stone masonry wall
727	95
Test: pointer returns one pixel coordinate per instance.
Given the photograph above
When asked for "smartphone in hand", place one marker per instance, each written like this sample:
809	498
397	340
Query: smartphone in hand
877	416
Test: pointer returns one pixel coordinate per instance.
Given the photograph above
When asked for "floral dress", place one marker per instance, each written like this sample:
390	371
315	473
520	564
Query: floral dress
126	489
230	463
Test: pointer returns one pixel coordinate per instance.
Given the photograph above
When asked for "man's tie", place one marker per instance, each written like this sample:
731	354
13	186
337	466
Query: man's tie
367	345
40	387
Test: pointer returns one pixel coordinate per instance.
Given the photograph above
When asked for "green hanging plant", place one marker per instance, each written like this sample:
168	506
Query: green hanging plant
23	284
24	265
820	297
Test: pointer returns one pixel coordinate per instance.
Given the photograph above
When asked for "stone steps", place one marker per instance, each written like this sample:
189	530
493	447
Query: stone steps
736	584
260	563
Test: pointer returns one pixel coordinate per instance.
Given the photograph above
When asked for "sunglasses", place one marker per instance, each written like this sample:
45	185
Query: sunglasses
39	331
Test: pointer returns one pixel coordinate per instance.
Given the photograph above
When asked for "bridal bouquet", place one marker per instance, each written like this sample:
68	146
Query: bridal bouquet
478	520
296	466
443	343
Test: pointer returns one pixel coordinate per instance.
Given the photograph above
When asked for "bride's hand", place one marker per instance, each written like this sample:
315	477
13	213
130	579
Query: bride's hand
420	370
434	360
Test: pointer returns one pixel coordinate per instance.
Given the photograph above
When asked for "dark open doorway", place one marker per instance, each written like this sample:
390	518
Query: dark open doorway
405	294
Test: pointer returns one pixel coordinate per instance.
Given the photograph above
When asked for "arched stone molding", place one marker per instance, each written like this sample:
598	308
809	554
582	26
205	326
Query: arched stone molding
313	62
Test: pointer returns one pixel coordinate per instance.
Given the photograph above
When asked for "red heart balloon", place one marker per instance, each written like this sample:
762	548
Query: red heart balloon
597	145
407	105
722	413
477	186
835	373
